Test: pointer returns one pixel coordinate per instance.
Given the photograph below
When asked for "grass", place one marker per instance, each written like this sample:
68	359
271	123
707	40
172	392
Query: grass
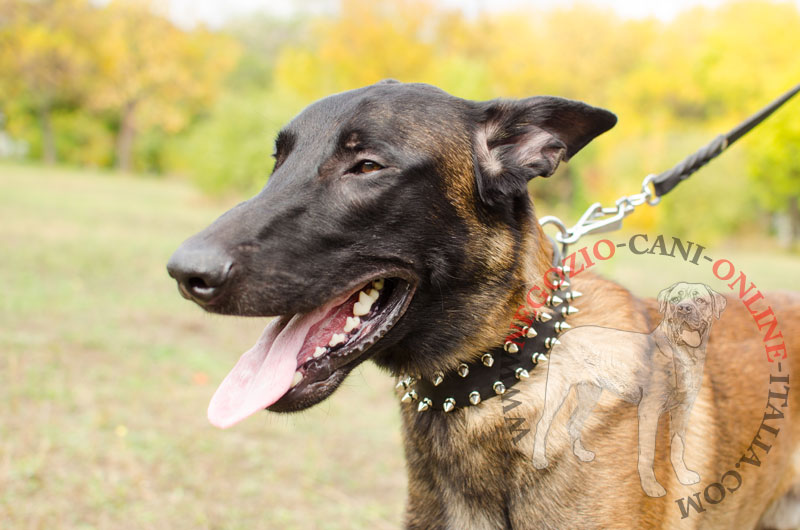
105	375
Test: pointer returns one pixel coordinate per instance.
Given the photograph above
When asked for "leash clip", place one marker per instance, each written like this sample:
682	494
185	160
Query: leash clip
597	219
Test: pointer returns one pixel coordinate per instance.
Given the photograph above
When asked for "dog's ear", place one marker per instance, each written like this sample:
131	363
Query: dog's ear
663	298
517	140
718	302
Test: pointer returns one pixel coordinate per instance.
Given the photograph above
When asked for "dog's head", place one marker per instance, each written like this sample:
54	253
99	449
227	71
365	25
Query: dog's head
689	310
391	228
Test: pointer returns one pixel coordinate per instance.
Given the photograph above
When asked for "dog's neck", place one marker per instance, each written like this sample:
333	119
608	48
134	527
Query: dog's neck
530	331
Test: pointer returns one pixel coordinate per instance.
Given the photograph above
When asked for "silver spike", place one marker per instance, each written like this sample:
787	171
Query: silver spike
424	405
553	300
530	332
487	359
522	373
562	284
510	347
406	382
543	317
549	342
449	404
568	310
535	357
562	326
438	377
409	396
542	358
573	295
499	388
463	370
474	397
565	269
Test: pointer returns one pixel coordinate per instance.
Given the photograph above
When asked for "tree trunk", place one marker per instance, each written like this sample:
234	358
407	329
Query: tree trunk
125	136
793	213
48	141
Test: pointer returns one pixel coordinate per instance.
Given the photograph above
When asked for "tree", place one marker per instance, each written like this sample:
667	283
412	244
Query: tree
44	58
153	74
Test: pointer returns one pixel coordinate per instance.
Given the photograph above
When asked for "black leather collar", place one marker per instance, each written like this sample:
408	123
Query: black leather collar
502	367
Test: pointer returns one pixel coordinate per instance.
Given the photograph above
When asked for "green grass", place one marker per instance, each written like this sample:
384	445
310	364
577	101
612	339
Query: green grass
106	373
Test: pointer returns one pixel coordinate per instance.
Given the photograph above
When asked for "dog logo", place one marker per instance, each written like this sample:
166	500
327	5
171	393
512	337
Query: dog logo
660	371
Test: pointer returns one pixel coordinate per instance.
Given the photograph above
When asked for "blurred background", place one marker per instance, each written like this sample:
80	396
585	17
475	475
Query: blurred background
127	126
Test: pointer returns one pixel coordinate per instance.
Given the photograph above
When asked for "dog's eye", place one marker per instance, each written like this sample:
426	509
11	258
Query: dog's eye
366	166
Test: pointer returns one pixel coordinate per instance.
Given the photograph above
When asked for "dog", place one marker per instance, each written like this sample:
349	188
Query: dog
660	371
397	227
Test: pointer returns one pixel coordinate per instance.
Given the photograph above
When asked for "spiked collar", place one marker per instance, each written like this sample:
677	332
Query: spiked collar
501	368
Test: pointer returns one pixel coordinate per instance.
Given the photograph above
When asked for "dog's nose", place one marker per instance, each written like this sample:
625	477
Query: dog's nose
685	307
201	272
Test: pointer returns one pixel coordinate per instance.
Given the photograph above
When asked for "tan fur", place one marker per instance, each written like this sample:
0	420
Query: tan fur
476	452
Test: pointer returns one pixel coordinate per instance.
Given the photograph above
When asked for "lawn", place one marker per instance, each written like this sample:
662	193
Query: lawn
106	373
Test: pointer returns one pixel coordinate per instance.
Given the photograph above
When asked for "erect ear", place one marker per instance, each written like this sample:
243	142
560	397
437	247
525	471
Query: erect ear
517	140
718	302
663	297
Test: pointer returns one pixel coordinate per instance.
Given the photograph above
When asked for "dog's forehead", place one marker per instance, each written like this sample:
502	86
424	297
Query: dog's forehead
686	290
396	106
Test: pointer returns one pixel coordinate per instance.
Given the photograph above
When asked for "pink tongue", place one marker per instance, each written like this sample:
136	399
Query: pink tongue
691	337
264	373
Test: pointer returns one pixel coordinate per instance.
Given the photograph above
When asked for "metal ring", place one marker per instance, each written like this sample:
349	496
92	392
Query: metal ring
649	190
552	219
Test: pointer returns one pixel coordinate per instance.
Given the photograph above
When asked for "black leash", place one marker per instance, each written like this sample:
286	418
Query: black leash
664	182
599	219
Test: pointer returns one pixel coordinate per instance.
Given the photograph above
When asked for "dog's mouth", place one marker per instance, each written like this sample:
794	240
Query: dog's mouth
691	334
300	359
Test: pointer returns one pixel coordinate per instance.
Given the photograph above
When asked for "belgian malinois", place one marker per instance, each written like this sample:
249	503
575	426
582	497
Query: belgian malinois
397	227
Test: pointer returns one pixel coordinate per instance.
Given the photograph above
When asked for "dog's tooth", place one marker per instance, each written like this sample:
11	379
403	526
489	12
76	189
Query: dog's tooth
463	370
319	352
522	373
338	338
424	405
449	404
487	359
499	388
378	284
351	323
438	377
363	305
296	379
474	397
373	294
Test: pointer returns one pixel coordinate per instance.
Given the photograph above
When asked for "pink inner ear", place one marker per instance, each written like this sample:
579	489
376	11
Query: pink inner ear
537	148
